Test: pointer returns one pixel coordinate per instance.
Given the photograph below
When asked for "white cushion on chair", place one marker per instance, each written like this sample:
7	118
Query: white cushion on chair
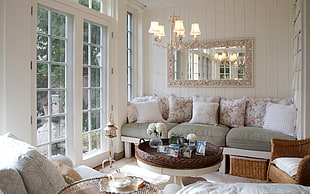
288	165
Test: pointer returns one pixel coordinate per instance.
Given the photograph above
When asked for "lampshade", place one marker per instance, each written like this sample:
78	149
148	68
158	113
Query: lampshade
161	30
195	29
154	27
110	130
179	27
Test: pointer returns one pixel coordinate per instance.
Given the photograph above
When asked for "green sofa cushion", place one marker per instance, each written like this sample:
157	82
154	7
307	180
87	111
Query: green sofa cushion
210	133
253	138
138	130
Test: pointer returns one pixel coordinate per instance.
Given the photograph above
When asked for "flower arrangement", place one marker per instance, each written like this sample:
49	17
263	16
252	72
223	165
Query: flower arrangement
156	128
191	137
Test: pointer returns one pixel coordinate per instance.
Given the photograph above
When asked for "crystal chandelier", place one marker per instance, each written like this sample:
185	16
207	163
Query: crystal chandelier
177	33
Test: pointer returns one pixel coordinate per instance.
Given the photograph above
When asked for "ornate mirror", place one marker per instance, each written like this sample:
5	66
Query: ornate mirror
212	63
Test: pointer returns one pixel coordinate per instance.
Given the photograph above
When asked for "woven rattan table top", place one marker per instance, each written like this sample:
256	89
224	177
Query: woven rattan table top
150	156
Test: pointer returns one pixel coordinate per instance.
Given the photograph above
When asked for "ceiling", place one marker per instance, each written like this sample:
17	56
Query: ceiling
152	4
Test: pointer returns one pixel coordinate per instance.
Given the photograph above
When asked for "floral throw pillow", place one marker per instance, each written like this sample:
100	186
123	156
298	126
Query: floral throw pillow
255	111
232	112
164	107
180	109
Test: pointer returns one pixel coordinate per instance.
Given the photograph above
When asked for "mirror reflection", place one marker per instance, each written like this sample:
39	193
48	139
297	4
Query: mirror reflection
212	63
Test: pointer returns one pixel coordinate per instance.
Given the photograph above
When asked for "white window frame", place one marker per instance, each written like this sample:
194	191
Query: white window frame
74	133
68	41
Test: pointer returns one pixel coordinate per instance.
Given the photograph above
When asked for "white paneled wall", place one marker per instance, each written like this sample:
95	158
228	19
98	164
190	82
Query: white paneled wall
268	21
297	57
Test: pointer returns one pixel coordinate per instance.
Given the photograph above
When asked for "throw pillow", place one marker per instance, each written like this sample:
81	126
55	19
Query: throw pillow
39	174
180	109
214	99
205	113
232	112
69	174
131	107
288	165
255	111
281	118
148	112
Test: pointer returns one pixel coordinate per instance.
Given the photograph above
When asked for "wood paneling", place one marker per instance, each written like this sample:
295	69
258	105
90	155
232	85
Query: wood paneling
268	21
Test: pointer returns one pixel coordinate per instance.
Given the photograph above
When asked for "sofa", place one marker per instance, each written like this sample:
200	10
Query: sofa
242	126
233	188
23	169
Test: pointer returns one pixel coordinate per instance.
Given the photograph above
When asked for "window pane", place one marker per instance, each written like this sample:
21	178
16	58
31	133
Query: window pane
42	108
129	75
58	127
95	56
95	140
58	101
85	32
95	98
42	25
42	73
58	50
85	122
85	54
95	34
85	143
85	77
95	77
42	48
42	132
84	2
58	73
85	99
58	148
96	5
58	25
95	119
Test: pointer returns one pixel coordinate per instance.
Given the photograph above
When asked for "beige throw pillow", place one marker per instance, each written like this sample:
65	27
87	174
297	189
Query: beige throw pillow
205	113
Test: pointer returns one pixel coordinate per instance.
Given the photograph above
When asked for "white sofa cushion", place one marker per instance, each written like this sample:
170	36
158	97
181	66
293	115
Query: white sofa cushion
281	118
288	165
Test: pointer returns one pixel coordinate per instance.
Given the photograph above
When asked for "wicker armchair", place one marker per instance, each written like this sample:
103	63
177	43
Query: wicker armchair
290	148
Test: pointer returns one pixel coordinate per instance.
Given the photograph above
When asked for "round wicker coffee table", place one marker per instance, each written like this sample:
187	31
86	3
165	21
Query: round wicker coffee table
148	158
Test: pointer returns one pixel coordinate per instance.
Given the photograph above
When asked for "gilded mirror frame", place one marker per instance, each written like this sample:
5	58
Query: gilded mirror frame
249	60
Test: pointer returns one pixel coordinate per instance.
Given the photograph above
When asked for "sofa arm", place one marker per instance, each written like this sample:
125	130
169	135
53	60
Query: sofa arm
87	172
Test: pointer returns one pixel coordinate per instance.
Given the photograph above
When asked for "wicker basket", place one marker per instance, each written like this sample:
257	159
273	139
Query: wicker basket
248	167
152	157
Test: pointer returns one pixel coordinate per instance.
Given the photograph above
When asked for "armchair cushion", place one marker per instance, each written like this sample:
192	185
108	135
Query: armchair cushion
288	165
